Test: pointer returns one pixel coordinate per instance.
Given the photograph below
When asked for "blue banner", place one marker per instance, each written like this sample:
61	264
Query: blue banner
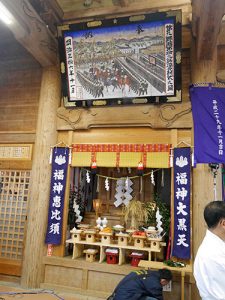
182	225
208	109
223	183
60	158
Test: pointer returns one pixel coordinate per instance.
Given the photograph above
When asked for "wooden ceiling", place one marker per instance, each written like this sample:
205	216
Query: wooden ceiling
13	55
79	9
33	36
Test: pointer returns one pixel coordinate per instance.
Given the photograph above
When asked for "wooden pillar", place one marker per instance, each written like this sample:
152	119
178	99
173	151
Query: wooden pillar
202	71
46	136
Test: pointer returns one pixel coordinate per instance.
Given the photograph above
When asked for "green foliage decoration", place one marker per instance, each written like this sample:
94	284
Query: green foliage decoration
164	211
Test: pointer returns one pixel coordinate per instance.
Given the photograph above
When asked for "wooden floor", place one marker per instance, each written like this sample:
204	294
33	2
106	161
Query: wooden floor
9	291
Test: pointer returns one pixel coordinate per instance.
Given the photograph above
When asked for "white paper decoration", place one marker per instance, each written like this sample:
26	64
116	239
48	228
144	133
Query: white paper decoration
152	178
159	222
128	191
88	179
107	184
119	192
123	191
77	212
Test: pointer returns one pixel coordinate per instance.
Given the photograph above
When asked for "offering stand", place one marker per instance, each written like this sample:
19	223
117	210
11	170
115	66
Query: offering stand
106	237
90	235
90	254
76	234
139	240
122	239
106	242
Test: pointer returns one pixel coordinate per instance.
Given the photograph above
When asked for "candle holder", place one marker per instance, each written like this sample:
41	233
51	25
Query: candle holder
97	205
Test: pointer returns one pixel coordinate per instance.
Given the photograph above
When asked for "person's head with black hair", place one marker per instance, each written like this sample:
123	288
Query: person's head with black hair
214	215
165	276
214	212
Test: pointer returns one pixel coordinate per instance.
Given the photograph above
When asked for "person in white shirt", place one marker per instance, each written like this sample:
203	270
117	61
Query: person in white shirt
209	264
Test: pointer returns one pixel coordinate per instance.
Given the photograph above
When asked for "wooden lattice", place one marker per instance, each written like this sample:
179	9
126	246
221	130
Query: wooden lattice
14	187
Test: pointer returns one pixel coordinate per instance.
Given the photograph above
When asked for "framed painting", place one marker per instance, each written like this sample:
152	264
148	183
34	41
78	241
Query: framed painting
121	61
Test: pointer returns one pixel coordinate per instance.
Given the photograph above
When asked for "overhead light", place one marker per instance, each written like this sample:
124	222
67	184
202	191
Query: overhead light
5	15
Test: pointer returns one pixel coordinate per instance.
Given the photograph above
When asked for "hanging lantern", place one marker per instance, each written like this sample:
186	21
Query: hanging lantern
93	167
140	168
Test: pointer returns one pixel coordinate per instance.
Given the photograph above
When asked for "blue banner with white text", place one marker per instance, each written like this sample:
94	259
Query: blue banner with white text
60	158
182	209
208	109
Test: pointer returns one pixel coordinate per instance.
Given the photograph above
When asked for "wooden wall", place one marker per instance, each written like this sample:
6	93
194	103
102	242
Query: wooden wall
19	97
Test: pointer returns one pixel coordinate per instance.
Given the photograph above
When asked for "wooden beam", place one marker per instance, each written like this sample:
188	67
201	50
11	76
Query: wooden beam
137	7
30	31
207	16
50	12
124	3
161	116
46	136
55	7
201	71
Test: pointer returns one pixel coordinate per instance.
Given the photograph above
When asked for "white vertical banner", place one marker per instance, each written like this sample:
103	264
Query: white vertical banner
169	58
70	67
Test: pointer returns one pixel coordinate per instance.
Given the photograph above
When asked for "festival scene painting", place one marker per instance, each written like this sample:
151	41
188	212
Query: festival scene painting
121	60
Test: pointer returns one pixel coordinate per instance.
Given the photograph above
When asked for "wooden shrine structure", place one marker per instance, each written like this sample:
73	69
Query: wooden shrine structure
33	118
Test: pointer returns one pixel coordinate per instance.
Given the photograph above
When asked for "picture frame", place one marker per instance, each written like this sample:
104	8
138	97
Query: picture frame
122	61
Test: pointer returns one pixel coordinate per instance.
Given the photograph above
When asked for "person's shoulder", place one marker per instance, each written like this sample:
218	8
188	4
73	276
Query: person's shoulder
209	256
208	244
152	272
152	275
205	251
